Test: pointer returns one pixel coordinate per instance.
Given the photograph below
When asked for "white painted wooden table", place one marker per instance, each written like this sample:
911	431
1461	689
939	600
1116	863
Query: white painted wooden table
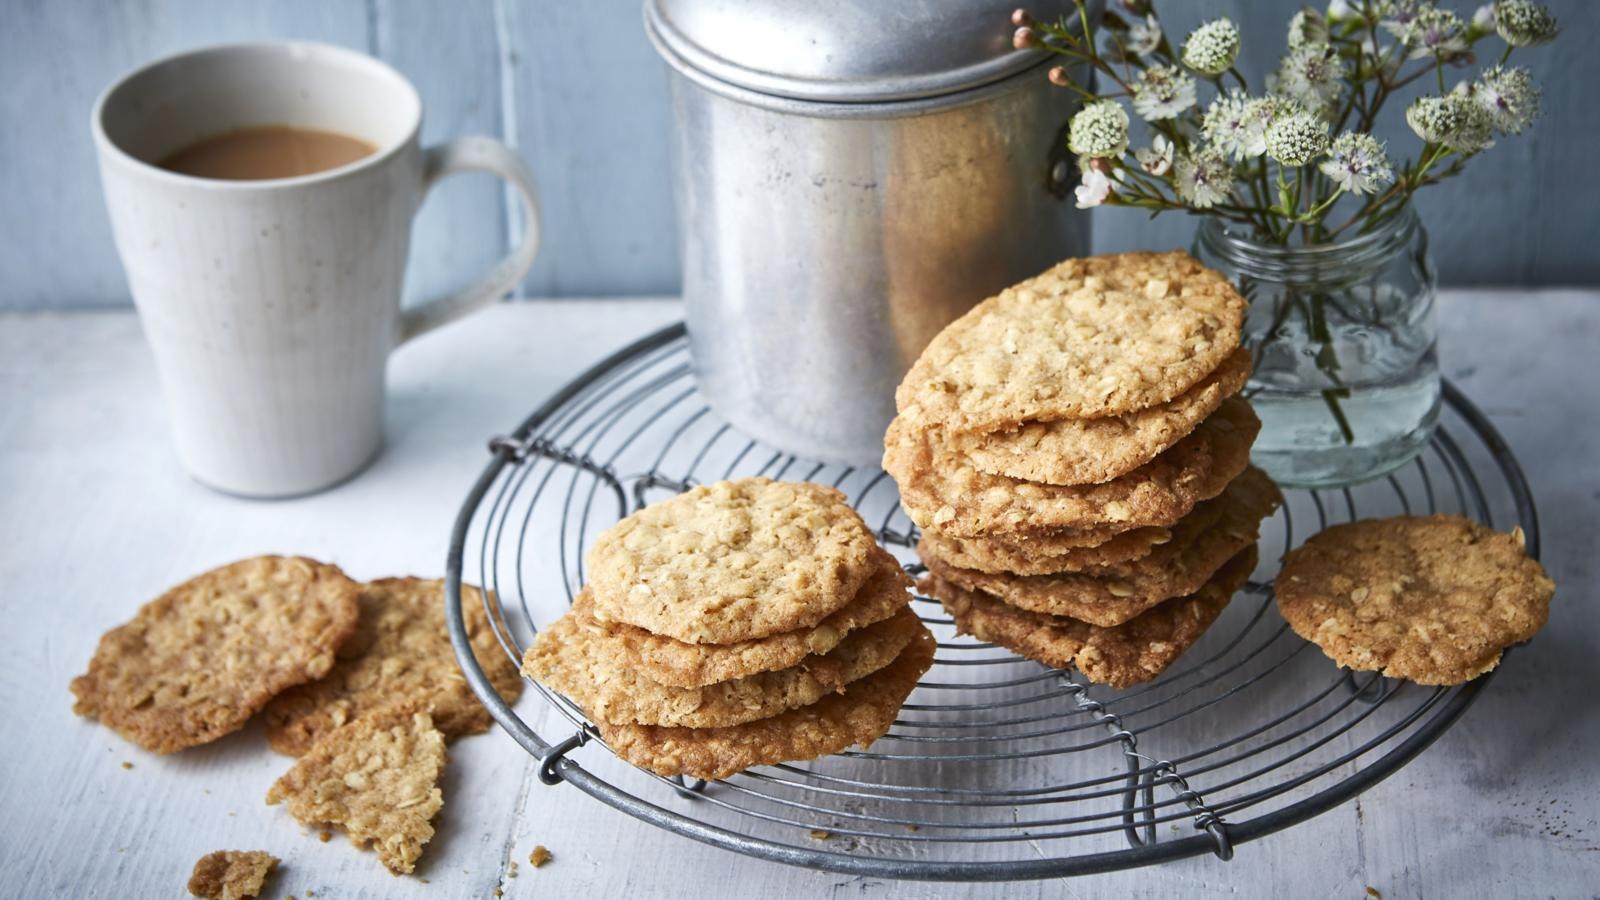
96	517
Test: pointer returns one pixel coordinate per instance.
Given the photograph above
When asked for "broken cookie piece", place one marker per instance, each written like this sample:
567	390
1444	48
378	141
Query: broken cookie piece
378	779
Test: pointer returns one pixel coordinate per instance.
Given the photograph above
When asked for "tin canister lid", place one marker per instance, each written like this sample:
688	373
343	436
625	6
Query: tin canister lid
846	51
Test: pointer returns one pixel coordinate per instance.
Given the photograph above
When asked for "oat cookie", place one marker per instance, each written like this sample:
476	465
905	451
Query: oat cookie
1094	451
1112	595
732	561
940	492
400	656
579	658
1431	599
859	715
1030	553
673	662
378	778
197	662
231	874
1091	337
1121	656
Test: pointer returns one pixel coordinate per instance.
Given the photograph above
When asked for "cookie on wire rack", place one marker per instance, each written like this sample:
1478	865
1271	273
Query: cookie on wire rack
1430	599
1093	337
670	661
1112	595
1124	655
732	561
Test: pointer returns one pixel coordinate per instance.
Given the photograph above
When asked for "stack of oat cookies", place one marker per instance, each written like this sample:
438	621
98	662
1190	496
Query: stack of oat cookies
739	624
1077	457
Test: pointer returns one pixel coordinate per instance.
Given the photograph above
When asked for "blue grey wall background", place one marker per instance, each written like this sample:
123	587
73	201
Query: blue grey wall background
576	87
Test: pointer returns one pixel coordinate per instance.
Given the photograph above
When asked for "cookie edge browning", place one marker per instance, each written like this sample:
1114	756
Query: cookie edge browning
718	705
1175	570
1000	452
293	731
1041	637
169	734
1308	607
860	715
1157	494
666	659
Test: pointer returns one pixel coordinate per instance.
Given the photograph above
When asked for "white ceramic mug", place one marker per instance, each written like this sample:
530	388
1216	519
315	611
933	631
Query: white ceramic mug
272	305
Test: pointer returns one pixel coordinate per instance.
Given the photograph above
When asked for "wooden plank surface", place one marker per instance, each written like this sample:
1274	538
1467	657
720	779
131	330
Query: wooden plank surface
96	517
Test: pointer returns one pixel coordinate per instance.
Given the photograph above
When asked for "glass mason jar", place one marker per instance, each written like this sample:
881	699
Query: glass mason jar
1346	377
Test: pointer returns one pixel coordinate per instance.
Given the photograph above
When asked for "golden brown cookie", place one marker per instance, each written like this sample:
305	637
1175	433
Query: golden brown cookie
378	778
1121	656
1094	451
1091	337
1431	599
231	874
1041	553
400	656
578	657
680	664
859	715
1115	594
732	561
197	662
941	492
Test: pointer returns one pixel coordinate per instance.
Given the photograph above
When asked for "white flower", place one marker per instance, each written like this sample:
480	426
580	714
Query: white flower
1396	16
1157	158
1204	178
1456	120
1311	74
1439	33
1357	163
1144	37
1523	23
1483	19
1510	97
1307	27
1341	11
1162	92
1099	129
1212	48
1237	125
1093	190
1297	139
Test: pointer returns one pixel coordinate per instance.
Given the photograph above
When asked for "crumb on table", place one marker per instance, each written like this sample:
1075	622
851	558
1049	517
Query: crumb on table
539	856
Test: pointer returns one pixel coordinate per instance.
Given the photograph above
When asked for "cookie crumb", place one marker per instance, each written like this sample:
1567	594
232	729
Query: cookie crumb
1374	893
512	871
913	827
819	834
126	764
539	856
324	836
499	893
231	874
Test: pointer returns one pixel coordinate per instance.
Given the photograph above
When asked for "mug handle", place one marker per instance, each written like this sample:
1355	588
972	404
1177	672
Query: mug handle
477	154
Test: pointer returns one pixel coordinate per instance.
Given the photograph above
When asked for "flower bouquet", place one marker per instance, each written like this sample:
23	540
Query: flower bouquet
1302	203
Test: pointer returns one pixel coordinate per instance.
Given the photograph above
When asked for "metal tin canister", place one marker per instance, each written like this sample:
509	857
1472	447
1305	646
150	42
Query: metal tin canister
850	178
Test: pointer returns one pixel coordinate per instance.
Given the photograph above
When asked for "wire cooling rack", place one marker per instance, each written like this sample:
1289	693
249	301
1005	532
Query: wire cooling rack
997	768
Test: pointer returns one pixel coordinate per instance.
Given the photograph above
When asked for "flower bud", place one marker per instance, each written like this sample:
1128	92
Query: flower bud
1024	38
1020	18
1058	76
